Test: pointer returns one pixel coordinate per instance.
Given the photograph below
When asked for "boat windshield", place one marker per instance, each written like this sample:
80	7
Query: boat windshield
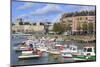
84	49
87	50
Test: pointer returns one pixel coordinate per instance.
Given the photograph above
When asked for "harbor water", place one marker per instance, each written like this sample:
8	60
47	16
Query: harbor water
42	60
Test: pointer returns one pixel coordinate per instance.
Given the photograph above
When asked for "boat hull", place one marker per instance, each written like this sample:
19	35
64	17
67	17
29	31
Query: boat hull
28	56
66	55
54	55
82	57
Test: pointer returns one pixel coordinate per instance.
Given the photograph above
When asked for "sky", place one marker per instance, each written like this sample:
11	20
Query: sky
43	12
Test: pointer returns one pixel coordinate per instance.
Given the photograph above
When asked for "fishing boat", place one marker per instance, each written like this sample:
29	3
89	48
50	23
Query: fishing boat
88	53
59	47
43	49
30	54
54	54
73	49
21	48
66	53
24	46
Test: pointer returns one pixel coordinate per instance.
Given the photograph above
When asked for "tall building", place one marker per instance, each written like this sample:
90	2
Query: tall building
78	19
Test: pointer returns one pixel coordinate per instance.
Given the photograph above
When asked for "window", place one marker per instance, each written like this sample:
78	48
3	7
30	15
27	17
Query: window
86	18
74	48
69	20
84	49
80	18
89	50
77	18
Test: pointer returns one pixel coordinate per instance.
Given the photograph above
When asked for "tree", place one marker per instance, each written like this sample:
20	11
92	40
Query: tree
20	23
63	26
79	28
34	24
58	28
41	23
90	27
84	27
27	23
68	27
48	22
12	24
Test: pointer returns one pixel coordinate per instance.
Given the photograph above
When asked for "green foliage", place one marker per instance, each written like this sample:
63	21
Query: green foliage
84	26
21	23
57	27
78	27
81	13
60	27
90	27
68	27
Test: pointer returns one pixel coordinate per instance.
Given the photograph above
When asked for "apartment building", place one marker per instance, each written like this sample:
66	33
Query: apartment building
75	20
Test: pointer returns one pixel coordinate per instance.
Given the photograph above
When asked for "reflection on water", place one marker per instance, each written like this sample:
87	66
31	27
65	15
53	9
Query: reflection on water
42	60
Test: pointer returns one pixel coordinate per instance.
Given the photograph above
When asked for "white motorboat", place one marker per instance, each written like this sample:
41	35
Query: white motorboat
59	47
21	48
29	54
43	49
88	53
66	53
54	53
73	49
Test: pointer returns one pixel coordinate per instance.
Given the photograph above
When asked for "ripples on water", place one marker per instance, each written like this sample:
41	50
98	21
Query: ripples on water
43	60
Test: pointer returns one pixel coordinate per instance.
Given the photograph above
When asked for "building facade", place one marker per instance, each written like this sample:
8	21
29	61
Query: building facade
78	20
29	27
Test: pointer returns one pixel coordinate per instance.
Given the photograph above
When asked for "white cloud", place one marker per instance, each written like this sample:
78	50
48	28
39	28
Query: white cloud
25	6
22	16
49	8
52	8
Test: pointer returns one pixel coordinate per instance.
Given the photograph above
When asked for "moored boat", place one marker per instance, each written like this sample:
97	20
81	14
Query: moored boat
21	47
88	53
66	53
59	47
54	53
30	54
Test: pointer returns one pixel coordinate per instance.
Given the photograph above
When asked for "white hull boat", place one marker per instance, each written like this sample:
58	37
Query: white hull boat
88	53
66	53
28	54
21	49
43	49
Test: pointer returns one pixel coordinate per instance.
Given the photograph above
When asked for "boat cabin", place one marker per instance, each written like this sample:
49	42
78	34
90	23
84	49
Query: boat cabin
89	50
73	49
